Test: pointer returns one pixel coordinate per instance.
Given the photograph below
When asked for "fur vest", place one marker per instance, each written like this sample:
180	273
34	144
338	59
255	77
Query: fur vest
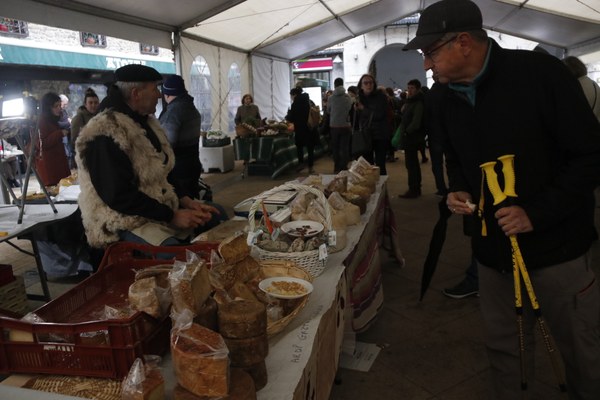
102	224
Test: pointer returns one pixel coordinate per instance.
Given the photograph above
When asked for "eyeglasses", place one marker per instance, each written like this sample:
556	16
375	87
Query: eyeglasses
432	53
367	82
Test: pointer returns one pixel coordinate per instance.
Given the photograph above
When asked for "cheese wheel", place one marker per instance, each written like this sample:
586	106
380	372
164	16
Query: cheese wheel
200	361
258	372
241	388
242	319
249	351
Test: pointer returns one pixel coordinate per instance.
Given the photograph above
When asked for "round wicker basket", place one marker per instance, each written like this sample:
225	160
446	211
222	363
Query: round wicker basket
273	268
307	260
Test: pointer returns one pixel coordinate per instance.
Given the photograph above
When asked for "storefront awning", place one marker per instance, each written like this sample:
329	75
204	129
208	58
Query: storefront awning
12	54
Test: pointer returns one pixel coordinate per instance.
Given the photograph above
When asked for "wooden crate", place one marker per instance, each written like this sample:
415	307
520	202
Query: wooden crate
13	296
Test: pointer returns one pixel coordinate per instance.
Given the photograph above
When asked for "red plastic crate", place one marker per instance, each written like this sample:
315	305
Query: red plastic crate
59	345
122	251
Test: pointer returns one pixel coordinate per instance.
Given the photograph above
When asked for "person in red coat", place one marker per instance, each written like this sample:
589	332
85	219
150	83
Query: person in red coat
50	159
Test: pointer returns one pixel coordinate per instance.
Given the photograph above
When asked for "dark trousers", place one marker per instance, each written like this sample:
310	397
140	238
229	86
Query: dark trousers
310	149
413	167
378	154
340	148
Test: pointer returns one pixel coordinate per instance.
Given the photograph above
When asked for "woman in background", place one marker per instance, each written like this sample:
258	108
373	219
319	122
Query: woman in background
372	108
50	158
84	113
248	110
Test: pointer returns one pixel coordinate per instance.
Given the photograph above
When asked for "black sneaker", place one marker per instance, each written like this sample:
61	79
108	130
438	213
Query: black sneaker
464	289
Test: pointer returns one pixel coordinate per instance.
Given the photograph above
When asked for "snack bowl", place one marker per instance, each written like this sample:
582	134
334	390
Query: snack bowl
302	228
283	287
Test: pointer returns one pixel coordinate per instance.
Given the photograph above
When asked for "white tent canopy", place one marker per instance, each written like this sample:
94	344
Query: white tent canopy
289	29
263	36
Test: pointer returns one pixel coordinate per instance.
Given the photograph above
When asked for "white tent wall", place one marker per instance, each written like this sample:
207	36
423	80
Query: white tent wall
219	61
271	87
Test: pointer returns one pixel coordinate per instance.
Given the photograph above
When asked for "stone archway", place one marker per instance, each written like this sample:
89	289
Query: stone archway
394	67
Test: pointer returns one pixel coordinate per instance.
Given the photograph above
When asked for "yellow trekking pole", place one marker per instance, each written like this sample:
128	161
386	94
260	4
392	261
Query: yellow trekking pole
519	269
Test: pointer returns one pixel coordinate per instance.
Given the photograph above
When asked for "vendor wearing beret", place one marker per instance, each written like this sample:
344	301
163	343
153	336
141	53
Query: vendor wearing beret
124	160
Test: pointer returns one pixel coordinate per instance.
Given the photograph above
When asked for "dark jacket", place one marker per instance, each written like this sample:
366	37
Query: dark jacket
298	115
374	117
182	121
556	142
412	125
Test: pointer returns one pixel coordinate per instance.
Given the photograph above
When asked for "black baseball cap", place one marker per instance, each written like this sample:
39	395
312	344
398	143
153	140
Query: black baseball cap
443	17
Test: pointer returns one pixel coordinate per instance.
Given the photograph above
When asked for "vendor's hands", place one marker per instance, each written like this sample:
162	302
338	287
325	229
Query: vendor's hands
460	203
513	220
191	204
187	219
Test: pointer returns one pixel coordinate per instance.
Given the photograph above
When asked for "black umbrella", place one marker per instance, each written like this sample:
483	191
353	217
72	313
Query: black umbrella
435	246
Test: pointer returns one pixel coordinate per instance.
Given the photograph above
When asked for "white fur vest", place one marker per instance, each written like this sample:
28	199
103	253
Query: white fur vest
102	223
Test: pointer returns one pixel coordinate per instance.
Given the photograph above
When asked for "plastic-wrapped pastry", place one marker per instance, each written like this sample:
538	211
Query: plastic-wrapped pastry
338	184
297	245
336	201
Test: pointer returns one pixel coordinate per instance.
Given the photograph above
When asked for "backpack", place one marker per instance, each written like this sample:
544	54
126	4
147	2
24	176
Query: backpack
314	117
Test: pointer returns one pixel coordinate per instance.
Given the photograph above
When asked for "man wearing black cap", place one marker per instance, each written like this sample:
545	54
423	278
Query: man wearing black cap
124	161
555	140
181	121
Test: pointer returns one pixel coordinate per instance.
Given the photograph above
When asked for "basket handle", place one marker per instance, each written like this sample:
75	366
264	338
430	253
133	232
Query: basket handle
290	186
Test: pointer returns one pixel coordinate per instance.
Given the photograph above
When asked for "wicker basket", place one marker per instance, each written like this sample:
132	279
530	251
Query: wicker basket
273	268
307	260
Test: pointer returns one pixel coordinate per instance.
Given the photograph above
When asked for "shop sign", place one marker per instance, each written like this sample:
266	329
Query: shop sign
312	64
11	54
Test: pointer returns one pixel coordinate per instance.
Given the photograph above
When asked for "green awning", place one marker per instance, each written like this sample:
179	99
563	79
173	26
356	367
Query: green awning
11	54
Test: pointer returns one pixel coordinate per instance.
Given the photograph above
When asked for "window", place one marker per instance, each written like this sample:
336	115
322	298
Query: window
200	90
234	99
13	27
148	49
89	39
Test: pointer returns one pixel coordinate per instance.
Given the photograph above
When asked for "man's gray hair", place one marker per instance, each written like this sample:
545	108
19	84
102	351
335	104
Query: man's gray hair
127	87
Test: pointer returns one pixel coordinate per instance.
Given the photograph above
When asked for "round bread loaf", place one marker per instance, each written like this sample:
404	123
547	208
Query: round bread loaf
200	361
258	372
241	388
249	351
242	319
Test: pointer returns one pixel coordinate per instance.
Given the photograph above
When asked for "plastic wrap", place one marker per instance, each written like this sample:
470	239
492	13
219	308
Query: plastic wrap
200	357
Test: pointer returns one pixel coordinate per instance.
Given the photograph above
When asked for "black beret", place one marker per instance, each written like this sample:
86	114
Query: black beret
137	73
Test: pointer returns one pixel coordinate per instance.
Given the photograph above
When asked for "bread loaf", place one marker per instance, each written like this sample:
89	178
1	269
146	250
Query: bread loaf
242	319
200	361
151	388
234	249
247	269
258	372
242	388
190	286
143	296
248	351
239	290
207	316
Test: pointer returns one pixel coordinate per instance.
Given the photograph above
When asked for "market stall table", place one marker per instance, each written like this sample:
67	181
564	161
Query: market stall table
303	358
271	155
